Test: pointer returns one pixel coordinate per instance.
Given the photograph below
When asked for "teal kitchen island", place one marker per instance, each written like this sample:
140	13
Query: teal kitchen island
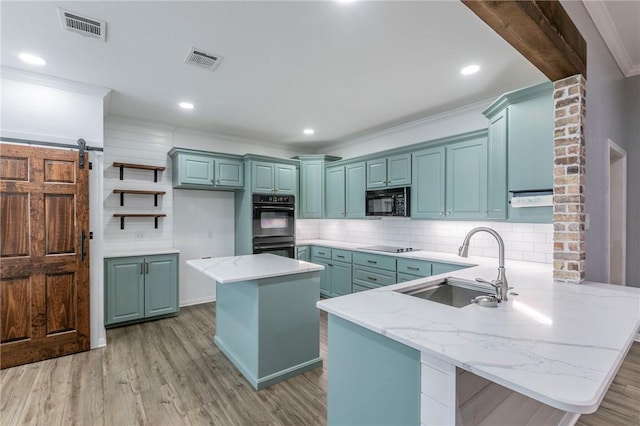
267	322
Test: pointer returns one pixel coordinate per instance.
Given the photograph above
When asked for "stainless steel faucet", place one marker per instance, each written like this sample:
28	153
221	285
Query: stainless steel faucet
500	284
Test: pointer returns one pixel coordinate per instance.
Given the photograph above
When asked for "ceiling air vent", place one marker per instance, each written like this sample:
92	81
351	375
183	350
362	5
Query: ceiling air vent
83	25
202	59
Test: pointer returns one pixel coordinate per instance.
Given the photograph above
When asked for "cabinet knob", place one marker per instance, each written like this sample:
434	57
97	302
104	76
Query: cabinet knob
448	213
486	212
275	189
218	181
441	213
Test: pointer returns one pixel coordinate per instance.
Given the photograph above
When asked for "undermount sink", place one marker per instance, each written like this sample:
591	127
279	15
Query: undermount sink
448	291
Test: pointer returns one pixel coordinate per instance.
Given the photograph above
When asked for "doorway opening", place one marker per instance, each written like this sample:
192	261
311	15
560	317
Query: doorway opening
617	202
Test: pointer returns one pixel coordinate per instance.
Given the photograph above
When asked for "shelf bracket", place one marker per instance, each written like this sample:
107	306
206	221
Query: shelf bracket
156	222
155	175
122	222
122	199
155	198
121	172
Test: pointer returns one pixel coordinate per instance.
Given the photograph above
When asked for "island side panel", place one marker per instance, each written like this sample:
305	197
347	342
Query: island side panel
289	327
372	380
237	326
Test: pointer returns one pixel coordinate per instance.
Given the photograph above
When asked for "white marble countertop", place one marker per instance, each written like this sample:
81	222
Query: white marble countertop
139	252
250	267
556	342
418	254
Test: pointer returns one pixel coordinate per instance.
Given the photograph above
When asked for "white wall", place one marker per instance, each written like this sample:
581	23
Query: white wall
47	109
454	122
632	144
49	113
139	144
605	116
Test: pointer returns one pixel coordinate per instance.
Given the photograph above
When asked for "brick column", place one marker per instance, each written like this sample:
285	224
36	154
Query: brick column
569	179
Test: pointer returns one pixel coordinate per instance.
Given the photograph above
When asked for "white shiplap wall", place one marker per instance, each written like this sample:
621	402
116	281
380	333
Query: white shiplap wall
139	144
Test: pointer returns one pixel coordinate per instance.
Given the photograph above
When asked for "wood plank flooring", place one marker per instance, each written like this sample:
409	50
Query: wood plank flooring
169	372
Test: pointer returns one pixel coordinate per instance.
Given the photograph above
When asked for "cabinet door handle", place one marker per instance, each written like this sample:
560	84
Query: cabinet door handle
413	268
141	268
218	181
146	267
372	278
82	253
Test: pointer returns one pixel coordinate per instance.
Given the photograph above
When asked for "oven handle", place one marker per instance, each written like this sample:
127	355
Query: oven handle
273	246
287	208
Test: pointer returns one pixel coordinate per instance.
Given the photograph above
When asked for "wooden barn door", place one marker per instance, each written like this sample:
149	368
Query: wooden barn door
44	264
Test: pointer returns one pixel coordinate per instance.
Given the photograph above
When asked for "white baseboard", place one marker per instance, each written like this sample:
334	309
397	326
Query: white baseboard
569	419
102	342
637	339
197	301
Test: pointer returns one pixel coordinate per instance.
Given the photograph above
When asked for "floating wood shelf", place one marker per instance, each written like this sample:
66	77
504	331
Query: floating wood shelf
135	191
153	215
123	166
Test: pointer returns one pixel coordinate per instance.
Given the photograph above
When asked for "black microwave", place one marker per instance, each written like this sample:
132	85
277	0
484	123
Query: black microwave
389	202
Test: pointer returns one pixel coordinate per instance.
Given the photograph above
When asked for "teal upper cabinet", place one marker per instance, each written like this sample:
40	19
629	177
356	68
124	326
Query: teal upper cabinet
335	193
450	180
229	173
522	122
497	167
345	191
389	171
466	183
428	189
194	169
312	173
355	201
273	178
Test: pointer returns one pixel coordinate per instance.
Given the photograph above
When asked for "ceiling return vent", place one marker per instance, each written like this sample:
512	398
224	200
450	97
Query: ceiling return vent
202	59
83	25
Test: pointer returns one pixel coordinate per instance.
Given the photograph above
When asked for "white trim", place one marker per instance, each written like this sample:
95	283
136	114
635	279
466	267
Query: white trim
198	301
53	82
354	140
72	142
605	25
119	122
569	419
637	338
96	250
623	156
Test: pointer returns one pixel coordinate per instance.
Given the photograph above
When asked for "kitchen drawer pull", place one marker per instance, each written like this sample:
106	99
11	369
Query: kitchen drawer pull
372	261
340	256
413	268
321	252
372	278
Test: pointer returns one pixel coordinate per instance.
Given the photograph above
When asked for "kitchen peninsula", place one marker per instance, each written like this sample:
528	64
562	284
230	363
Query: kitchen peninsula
267	323
543	357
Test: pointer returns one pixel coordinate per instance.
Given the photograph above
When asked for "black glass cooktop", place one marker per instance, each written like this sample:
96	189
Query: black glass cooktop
389	249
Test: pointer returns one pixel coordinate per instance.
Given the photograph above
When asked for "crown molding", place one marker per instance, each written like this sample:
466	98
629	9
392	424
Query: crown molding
607	28
53	82
407	126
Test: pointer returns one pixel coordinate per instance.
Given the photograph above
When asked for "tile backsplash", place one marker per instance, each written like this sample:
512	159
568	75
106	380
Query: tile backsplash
523	241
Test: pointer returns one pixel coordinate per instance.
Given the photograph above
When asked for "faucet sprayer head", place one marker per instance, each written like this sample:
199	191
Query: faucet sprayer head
463	250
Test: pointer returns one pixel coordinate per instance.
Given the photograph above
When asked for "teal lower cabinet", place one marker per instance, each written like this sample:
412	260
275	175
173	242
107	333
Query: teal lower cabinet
335	280
303	253
441	268
372	380
269	328
141	287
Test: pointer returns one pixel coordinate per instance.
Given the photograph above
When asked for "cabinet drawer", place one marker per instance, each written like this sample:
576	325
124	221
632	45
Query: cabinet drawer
414	267
375	261
435	384
407	277
359	287
372	276
341	255
321	252
441	268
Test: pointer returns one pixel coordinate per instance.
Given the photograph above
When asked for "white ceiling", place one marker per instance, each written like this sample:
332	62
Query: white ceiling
343	69
619	25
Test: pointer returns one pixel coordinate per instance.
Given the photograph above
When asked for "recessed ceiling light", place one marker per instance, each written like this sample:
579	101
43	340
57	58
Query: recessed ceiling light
308	131
471	69
186	105
32	59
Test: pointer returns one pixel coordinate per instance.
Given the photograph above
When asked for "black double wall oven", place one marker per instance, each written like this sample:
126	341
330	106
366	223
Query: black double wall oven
274	226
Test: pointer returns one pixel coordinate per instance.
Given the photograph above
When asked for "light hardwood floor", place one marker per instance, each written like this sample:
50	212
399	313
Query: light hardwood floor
169	372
